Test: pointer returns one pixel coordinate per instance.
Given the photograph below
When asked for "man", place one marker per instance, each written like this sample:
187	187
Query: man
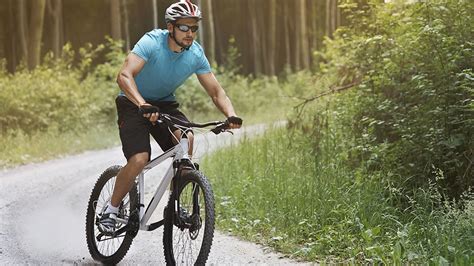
159	63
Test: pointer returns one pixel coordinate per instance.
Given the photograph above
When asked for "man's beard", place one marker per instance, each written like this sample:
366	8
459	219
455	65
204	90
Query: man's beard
181	44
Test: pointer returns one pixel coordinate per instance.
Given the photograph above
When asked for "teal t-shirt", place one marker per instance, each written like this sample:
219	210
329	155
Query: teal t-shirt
165	70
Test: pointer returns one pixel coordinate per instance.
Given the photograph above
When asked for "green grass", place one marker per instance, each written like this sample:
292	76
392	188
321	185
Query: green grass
20	148
276	191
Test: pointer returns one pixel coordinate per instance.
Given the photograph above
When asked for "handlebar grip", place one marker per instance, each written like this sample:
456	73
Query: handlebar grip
148	109
234	120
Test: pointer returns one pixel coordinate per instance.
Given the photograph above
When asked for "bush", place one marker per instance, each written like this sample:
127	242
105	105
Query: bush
60	94
381	173
412	113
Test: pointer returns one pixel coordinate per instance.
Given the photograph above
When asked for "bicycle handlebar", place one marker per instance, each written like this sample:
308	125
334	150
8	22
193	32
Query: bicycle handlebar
221	126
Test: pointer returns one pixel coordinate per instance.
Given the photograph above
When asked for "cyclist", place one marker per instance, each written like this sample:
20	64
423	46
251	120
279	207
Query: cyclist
158	64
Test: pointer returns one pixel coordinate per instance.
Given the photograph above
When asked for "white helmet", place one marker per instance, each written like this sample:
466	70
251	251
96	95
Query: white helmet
182	9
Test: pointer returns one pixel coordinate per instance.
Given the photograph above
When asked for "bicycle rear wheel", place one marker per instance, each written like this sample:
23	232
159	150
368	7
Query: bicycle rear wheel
103	248
189	221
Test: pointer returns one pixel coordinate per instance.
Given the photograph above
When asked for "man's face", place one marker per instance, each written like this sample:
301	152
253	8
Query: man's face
185	37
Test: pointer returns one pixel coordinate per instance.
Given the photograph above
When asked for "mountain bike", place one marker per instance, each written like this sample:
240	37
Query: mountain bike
188	218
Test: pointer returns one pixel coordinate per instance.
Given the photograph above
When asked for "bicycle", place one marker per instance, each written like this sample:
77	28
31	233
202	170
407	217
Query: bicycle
188	217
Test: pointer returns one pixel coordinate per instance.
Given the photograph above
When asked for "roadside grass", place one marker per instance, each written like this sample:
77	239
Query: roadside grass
20	148
276	191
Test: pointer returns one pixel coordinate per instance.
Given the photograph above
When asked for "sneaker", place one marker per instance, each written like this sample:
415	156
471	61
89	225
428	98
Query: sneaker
107	222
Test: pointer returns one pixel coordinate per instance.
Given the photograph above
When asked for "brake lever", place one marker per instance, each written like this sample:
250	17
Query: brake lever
219	129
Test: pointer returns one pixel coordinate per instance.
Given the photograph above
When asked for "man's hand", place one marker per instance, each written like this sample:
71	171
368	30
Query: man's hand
149	111
234	122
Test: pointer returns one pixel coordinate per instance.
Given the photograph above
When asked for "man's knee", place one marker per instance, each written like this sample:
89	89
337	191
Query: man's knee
139	160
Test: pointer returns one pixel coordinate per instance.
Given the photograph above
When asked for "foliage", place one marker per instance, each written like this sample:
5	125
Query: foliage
65	98
59	94
413	112
278	191
381	173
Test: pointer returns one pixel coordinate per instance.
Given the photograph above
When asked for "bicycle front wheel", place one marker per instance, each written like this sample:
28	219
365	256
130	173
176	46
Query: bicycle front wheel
104	248
189	221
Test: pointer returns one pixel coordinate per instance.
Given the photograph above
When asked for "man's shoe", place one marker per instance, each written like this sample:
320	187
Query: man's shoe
107	223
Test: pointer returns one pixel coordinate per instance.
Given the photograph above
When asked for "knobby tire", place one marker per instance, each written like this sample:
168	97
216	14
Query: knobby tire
173	251
105	182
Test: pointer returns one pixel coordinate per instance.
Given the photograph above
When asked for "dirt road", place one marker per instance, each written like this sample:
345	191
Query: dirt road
42	213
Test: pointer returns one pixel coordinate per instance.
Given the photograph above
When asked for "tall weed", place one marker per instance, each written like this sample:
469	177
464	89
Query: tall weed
279	191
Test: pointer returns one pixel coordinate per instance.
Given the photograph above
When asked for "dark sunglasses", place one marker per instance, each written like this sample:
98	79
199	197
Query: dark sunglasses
186	28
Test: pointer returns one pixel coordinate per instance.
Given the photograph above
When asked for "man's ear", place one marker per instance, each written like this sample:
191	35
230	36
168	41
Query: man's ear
169	26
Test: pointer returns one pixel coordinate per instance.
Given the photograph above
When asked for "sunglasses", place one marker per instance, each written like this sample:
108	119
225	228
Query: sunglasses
186	28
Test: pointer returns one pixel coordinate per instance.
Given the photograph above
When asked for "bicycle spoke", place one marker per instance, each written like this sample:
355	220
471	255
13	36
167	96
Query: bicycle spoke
109	245
186	245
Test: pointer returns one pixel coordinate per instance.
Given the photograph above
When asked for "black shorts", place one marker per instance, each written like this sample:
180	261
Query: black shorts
135	129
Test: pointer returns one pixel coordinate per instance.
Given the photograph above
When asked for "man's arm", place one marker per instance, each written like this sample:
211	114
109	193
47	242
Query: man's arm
218	95
126	80
131	67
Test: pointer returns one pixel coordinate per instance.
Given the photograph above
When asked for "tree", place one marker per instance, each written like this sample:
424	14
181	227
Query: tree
297	32
55	11
115	19
302	30
22	22
272	37
35	32
255	36
10	38
126	24
332	17
287	22
209	39
155	14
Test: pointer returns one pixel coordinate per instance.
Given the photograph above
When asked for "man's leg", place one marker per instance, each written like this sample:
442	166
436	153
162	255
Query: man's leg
134	135
127	175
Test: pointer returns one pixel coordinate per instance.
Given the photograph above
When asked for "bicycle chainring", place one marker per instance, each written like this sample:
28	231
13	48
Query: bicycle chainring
134	223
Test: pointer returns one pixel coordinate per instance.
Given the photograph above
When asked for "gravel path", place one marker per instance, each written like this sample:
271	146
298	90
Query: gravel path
42	213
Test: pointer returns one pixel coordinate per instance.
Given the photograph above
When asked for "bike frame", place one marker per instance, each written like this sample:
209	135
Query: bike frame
178	153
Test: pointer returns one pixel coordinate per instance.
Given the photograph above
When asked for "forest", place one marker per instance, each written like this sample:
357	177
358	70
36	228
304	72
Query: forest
378	99
272	33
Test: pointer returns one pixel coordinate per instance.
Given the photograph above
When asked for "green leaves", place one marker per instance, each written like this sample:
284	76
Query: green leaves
58	95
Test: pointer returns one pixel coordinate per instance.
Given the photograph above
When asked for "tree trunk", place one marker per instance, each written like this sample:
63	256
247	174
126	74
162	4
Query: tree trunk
23	28
155	14
314	25
334	16
220	51
201	30
296	12
115	20
55	11
303	32
264	36
255	36
272	37
328	18
10	42
287	34
36	32
126	24
209	32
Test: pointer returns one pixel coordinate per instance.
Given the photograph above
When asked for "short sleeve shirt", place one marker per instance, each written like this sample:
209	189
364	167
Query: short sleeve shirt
165	70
